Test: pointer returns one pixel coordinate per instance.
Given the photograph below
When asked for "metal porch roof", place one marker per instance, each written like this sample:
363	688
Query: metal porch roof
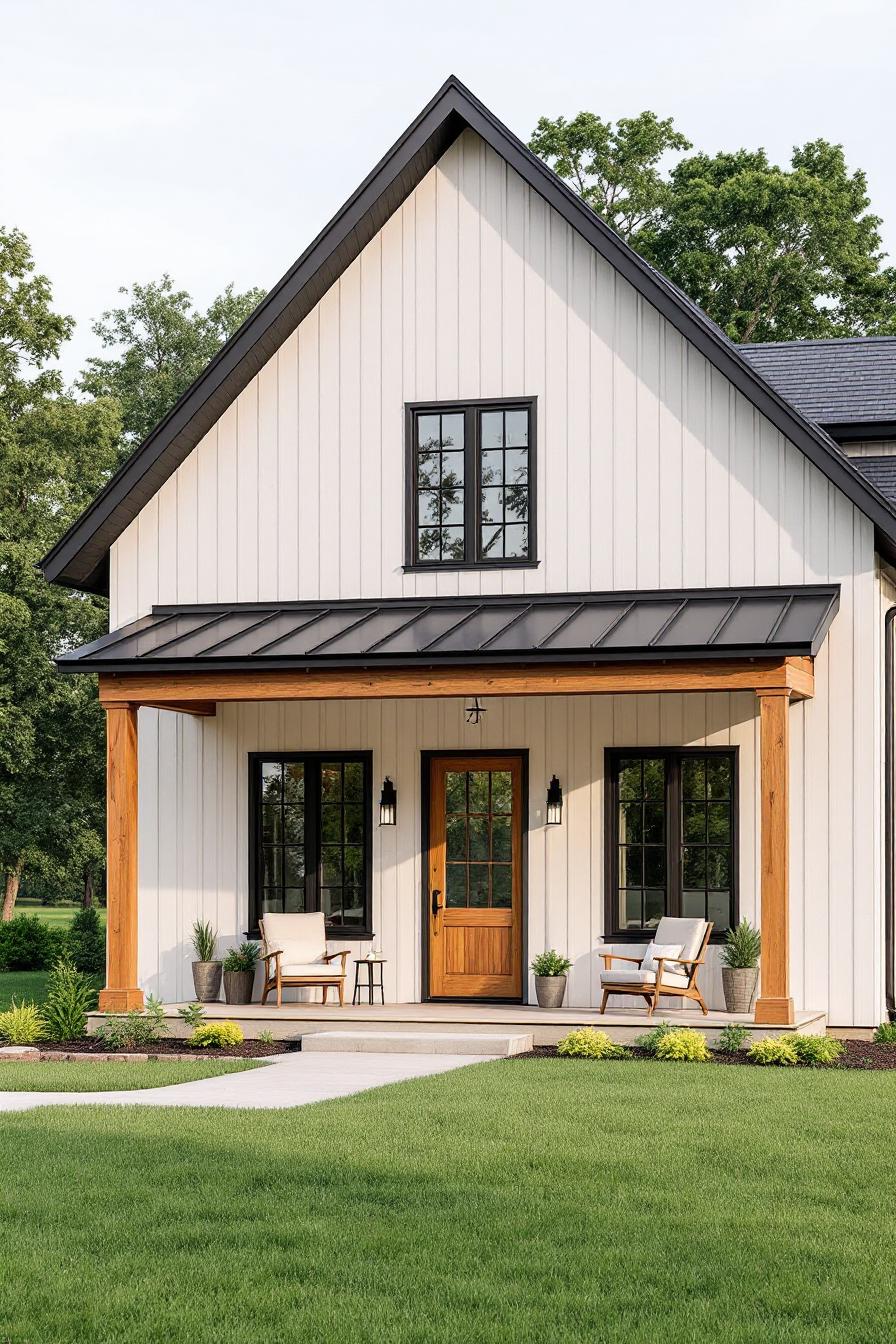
567	627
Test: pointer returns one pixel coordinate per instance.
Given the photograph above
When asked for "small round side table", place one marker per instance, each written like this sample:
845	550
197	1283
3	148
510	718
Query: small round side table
369	984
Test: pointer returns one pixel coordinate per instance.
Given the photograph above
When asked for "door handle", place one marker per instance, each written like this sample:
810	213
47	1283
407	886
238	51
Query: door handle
436	903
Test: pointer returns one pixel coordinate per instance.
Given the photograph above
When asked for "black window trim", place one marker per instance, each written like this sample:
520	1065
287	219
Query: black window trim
612	756
335	932
472	410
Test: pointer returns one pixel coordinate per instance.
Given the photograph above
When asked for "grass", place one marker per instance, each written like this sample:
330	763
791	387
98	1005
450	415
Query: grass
113	1077
57	916
22	986
509	1202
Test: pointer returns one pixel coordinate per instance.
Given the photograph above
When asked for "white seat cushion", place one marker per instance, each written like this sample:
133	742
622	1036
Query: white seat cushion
688	933
301	938
669	951
635	976
317	968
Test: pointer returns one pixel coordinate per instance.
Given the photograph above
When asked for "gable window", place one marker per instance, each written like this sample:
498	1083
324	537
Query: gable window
471	477
311	838
671	838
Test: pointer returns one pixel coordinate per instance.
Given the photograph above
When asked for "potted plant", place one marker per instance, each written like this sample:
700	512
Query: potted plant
740	966
550	978
206	969
239	973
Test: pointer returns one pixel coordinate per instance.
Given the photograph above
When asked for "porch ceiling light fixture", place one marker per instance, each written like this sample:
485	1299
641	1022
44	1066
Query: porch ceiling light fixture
475	711
388	803
555	802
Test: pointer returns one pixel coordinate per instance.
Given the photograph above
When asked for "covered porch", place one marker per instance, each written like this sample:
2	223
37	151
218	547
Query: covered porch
669	649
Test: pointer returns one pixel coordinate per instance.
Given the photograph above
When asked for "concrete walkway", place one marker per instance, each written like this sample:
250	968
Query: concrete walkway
286	1080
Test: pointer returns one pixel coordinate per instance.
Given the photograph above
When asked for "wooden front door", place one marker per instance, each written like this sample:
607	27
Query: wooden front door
475	872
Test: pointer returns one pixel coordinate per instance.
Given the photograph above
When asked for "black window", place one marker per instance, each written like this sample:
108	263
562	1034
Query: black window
672	838
311	838
471	478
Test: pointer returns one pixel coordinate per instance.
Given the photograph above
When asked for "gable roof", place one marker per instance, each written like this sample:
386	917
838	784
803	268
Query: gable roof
848	385
80	558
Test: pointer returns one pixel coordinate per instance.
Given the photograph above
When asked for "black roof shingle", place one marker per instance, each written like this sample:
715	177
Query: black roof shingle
849	381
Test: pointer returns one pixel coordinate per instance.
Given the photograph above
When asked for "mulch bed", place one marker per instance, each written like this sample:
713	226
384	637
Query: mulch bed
856	1055
92	1045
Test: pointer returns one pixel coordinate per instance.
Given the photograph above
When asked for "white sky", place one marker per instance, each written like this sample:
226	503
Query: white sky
214	138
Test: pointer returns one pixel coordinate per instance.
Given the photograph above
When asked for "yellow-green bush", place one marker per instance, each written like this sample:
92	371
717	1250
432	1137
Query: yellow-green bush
586	1043
816	1049
21	1024
213	1035
684	1044
773	1050
885	1034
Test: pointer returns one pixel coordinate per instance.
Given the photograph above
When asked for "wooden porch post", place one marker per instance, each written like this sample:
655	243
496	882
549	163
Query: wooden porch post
121	992
774	1004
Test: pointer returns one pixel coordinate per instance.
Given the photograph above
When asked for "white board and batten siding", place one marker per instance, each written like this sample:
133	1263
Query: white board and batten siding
652	472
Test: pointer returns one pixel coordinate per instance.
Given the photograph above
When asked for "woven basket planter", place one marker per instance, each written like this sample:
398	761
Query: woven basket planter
739	987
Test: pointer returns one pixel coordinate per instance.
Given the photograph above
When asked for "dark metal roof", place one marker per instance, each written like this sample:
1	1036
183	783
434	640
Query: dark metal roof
568	627
846	385
881	472
80	558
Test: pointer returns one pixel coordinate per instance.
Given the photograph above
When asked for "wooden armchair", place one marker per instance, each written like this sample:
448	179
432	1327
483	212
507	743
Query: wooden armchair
668	968
294	952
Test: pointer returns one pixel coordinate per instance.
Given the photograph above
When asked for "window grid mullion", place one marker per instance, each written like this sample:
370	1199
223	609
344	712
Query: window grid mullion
471	482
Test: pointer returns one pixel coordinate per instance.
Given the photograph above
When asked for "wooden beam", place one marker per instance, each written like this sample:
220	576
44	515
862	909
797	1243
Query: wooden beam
178	689
121	992
774	1004
200	709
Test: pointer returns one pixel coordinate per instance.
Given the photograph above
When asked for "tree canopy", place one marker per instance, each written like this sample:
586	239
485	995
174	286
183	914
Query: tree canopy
769	253
162	343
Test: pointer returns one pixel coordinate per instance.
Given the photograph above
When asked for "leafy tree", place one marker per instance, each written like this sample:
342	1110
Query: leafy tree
55	453
614	168
769	253
163	344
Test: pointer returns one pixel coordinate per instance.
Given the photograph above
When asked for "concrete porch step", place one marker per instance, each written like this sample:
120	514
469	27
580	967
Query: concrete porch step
502	1043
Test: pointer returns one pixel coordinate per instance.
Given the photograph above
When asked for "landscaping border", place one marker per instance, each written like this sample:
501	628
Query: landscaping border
859	1055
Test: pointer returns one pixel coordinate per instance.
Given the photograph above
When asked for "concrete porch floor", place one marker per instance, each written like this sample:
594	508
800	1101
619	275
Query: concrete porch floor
294	1020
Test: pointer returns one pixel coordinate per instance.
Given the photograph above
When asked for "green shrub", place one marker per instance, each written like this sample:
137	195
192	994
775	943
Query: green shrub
70	997
550	963
265	1037
216	1035
743	944
685	1044
21	1024
130	1030
651	1039
242	958
816	1050
732	1038
885	1034
205	941
193	1014
25	944
773	1050
87	943
586	1043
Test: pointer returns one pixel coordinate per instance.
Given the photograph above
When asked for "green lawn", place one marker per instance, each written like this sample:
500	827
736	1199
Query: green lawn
23	986
57	916
113	1077
513	1202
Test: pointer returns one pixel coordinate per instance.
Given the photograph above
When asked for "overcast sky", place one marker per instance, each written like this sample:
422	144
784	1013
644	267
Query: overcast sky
214	138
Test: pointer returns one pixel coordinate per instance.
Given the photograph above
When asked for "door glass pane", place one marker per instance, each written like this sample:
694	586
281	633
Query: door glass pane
478	838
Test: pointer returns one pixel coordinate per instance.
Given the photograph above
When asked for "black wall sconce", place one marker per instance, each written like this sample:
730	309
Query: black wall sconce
388	803
555	802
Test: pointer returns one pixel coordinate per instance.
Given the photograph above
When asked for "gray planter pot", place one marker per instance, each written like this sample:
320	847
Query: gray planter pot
739	987
238	986
549	990
207	980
